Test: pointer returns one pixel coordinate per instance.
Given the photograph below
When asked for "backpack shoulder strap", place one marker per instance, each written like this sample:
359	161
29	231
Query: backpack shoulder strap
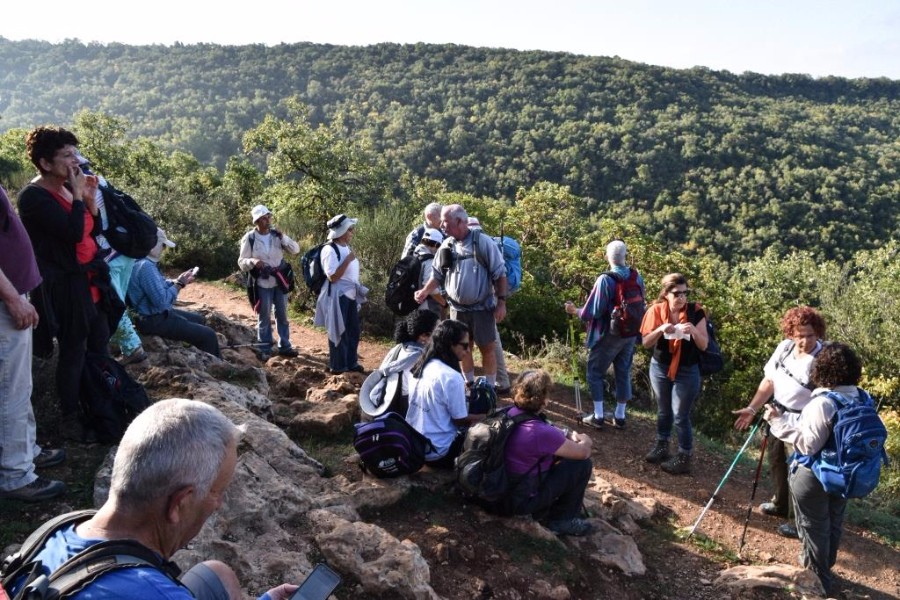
87	566
35	542
252	240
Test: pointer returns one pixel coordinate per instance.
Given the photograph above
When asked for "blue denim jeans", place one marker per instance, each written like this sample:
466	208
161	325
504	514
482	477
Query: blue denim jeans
343	357
675	399
182	326
120	274
17	426
615	351
267	298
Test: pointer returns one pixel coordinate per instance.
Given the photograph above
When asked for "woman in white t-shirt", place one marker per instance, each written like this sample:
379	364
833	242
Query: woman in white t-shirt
337	308
437	395
786	378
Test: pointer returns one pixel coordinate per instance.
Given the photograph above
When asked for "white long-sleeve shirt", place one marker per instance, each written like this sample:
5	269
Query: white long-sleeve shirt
810	429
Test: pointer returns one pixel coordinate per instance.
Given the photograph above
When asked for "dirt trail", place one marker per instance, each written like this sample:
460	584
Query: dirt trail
866	568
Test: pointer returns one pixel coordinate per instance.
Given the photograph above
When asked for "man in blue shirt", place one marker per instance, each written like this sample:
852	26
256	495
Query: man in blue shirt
606	348
152	296
170	473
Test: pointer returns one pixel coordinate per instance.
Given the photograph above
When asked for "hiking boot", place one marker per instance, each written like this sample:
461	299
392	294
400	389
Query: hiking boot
592	421
769	508
619	423
788	530
574	526
36	491
677	465
289	352
49	458
357	368
135	357
659	453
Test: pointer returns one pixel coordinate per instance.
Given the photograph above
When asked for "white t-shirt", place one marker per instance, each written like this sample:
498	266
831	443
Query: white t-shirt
434	400
346	285
789	392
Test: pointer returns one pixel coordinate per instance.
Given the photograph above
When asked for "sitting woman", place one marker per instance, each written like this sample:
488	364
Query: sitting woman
387	387
437	396
548	468
819	515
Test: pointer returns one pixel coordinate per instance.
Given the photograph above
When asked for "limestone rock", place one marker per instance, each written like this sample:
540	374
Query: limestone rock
745	581
621	552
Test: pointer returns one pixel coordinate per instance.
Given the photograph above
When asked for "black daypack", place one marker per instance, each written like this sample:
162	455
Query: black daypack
481	466
710	360
628	309
110	398
482	397
129	229
311	263
76	573
403	281
390	447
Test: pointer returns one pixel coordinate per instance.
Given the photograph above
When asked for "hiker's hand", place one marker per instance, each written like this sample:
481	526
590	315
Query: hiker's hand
283	591
772	412
23	313
500	311
91	183
186	277
746	416
419	296
350	257
570	308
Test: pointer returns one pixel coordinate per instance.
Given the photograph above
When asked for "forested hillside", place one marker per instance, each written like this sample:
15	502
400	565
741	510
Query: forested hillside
700	160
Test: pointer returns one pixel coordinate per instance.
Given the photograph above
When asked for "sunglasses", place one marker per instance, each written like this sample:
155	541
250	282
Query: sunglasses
681	293
465	345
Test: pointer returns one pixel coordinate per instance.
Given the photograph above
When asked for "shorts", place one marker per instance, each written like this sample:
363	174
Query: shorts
481	323
203	583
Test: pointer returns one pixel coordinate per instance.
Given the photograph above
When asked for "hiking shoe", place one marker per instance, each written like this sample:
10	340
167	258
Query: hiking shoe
619	423
135	357
289	352
677	465
36	491
592	421
769	508
49	458
659	453
357	368
788	530
574	526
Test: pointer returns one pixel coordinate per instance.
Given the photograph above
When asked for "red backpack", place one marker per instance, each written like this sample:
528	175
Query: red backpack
628	309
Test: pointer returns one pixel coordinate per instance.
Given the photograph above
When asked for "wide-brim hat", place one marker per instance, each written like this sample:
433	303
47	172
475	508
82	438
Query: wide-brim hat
258	211
378	385
339	225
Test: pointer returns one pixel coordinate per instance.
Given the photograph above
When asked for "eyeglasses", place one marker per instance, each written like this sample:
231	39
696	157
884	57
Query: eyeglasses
680	293
465	345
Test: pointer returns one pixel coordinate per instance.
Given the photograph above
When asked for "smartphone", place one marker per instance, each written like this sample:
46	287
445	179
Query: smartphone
319	584
194	271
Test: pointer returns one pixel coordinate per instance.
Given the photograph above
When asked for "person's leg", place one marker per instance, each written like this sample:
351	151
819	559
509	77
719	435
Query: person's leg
352	334
70	364
483	332
281	320
561	494
17	425
836	508
779	471
622	367
340	356
448	461
503	381
212	580
662	389
599	359
813	519
467	364
264	319
684	393
183	326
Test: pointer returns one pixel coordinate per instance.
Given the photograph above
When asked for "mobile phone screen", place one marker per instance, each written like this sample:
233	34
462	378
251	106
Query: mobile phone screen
318	585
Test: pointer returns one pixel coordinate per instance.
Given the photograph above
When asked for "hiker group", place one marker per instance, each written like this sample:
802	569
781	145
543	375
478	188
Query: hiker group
423	406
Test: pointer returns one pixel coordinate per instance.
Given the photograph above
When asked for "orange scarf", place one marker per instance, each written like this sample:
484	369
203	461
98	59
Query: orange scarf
659	314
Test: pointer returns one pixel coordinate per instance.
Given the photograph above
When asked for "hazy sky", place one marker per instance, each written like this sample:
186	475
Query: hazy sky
850	38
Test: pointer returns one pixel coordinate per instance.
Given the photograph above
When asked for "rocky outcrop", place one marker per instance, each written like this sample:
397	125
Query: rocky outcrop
750	581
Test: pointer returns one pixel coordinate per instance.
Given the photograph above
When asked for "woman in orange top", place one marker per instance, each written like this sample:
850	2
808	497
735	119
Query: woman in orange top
675	330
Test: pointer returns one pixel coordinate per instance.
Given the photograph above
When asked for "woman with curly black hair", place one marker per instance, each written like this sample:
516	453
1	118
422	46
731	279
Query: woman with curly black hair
437	396
819	515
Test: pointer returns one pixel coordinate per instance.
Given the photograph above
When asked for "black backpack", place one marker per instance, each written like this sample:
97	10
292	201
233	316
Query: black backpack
403	281
390	447
481	466
110	398
311	263
629	305
710	360
80	570
129	229
482	398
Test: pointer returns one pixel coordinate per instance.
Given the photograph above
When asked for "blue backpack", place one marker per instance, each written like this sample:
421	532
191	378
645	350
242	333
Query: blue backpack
849	465
512	255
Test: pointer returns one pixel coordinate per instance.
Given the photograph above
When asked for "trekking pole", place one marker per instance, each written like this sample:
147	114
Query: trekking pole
575	371
253	345
762	453
727	473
